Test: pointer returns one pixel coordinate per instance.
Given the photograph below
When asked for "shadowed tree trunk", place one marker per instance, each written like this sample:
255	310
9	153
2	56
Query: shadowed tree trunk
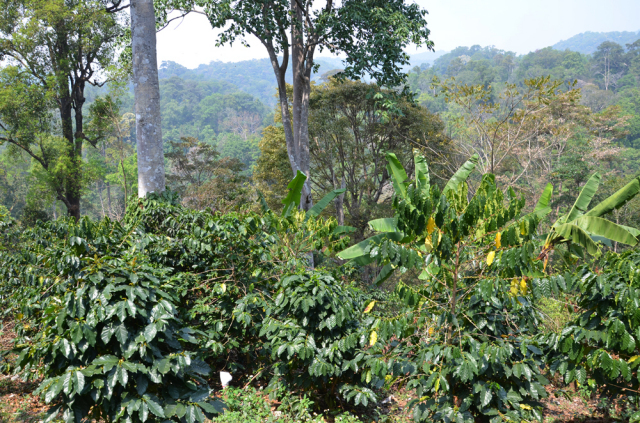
147	98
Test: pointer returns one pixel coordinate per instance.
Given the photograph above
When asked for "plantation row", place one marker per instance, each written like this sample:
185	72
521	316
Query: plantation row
132	321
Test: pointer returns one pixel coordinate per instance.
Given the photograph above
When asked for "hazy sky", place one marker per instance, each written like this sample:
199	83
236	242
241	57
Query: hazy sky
515	25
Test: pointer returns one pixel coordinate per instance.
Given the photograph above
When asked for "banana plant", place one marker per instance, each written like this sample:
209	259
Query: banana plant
388	228
292	199
583	227
476	258
300	228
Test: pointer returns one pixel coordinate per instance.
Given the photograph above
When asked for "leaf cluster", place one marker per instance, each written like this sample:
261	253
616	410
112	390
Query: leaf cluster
602	341
100	322
464	342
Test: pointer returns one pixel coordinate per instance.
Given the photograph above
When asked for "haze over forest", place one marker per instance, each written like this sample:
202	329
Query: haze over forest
229	104
445	236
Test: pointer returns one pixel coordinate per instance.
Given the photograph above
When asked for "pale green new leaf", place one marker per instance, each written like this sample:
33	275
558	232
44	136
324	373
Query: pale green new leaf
583	200
398	175
616	200
461	174
387	224
323	203
292	199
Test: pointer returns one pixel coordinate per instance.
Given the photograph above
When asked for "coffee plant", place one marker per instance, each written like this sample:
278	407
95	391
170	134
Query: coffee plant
314	324
603	342
99	321
125	321
464	343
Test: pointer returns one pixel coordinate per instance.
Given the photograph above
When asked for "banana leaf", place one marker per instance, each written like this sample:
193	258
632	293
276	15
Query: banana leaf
577	235
583	200
422	173
323	203
461	174
545	198
358	250
605	228
616	200
343	230
387	224
633	231
292	200
398	175
384	274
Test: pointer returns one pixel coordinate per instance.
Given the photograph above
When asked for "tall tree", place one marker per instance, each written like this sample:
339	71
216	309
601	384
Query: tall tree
516	132
372	33
609	62
351	140
54	48
147	98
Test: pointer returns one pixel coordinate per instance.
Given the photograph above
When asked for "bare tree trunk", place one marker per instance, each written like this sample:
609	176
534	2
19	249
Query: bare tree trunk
147	98
339	201
99	188
124	177
109	199
299	59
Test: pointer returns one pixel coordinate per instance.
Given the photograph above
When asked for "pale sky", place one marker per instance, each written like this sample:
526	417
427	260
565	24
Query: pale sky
514	25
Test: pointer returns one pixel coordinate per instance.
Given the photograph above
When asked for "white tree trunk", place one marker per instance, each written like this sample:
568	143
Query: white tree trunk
147	98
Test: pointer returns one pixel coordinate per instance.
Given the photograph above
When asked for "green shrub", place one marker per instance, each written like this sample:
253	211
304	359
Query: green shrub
233	277
313	324
100	323
165	292
464	342
603	342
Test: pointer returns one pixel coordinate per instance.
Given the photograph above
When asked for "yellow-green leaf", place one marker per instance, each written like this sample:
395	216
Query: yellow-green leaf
370	307
431	224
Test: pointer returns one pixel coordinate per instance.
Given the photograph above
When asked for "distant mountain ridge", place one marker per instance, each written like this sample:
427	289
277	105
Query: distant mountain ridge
588	42
256	76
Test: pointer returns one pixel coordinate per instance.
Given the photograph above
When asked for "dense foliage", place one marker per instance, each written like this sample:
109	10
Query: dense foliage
600	346
101	323
126	321
128	311
464	339
123	320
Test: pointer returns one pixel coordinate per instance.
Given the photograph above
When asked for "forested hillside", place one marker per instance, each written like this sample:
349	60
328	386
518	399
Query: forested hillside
255	77
348	241
250	76
588	42
225	116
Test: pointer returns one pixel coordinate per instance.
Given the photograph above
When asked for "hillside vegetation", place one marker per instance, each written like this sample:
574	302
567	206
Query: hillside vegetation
588	42
459	245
